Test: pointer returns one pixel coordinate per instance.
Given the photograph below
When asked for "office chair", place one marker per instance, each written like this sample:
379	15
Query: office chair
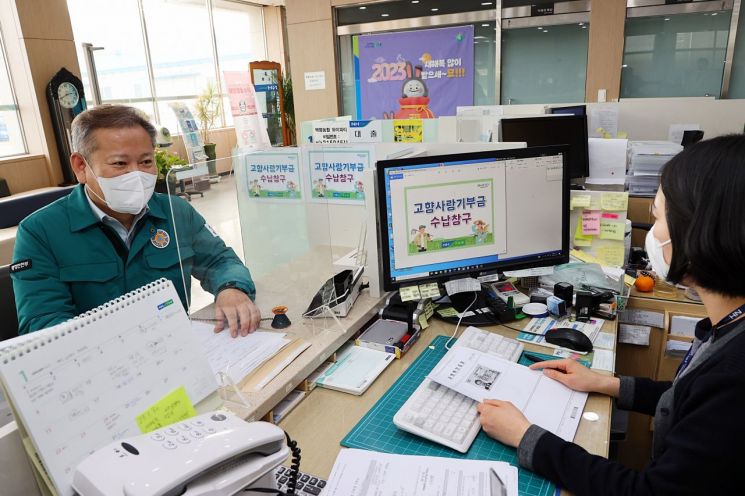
8	315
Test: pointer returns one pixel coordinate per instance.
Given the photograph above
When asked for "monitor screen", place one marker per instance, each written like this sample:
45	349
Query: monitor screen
552	130
571	110
472	213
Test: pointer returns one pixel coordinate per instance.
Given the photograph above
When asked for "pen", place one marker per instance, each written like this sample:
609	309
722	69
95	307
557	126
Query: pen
533	358
497	484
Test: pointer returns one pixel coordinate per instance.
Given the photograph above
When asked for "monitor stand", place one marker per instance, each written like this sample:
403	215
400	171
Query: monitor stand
488	309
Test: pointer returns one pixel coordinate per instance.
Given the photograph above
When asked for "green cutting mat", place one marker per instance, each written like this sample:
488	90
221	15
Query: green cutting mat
376	431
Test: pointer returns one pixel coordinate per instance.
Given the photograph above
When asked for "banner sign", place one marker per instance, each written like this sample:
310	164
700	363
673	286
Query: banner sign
415	74
249	125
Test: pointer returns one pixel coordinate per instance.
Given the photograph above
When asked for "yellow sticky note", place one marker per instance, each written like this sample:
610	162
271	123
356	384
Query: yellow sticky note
614	201
447	312
423	321
581	239
611	230
622	135
430	290
611	254
173	407
409	293
429	309
580	201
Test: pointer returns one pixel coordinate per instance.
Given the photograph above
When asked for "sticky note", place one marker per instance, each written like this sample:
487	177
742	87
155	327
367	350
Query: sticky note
610	215
409	293
429	309
611	230
430	290
447	312
614	201
611	254
590	222
622	135
580	201
423	321
581	239
173	407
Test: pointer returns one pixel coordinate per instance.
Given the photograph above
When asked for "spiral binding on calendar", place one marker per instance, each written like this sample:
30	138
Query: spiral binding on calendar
11	352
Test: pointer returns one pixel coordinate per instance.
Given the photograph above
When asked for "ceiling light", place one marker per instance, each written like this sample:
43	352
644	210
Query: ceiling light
584	27
434	10
666	19
625	65
714	13
363	7
414	1
486	3
581	23
484	25
384	15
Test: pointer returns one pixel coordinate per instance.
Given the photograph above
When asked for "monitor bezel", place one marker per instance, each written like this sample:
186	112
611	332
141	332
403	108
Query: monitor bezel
544	118
505	154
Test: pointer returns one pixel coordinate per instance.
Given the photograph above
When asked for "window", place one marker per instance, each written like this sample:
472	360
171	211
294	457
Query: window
239	34
675	55
121	65
180	45
544	64
12	140
737	78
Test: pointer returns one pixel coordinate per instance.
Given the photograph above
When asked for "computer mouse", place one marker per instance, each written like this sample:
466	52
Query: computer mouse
566	337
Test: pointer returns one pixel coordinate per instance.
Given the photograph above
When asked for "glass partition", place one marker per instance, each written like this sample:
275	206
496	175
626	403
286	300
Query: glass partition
737	78
544	64
675	55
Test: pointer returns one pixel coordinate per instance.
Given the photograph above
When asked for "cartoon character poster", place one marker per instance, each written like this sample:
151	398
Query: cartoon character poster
273	175
336	175
414	74
450	216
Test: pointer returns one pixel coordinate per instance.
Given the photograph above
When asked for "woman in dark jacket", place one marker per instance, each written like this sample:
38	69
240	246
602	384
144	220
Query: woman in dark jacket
698	239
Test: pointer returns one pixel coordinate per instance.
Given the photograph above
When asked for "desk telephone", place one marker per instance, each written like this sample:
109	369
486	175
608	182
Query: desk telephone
212	454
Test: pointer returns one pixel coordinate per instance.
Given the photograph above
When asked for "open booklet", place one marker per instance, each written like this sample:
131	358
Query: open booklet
545	402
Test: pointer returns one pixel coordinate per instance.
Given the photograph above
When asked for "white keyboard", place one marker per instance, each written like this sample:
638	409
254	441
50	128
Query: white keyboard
438	413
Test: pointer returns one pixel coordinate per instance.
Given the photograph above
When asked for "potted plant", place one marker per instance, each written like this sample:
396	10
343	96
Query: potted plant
165	161
289	105
207	109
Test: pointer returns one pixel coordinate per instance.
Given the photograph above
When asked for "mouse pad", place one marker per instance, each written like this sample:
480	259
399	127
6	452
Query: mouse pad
377	432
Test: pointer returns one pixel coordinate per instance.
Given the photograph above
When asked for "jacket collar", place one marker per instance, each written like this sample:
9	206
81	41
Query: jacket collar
81	216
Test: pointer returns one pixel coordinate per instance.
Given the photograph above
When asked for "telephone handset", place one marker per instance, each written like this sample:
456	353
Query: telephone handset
212	454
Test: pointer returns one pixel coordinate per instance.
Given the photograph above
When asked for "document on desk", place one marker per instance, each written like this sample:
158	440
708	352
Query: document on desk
368	473
545	402
237	357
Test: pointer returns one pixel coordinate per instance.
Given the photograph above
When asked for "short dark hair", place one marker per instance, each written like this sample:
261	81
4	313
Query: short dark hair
106	117
704	188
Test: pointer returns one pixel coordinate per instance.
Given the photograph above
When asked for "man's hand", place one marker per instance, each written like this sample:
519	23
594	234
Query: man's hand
237	308
503	421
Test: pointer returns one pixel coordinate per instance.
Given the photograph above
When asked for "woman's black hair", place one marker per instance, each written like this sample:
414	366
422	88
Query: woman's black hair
704	188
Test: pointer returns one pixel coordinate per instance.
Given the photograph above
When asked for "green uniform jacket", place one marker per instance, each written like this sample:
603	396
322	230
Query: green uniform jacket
77	263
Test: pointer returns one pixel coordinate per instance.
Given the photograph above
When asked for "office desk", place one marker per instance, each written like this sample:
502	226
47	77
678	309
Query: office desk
325	416
294	284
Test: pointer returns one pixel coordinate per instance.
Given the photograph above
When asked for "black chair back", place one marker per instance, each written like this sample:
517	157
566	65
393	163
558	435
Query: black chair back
8	315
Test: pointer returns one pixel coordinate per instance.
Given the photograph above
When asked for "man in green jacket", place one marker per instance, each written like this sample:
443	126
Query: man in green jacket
112	235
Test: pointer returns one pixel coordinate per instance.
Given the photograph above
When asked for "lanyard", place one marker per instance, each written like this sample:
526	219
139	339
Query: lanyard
735	315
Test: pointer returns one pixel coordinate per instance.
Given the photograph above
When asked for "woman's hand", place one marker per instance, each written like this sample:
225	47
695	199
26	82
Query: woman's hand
503	421
578	377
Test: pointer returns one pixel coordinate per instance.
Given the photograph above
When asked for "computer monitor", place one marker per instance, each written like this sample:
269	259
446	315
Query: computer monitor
448	216
552	130
571	110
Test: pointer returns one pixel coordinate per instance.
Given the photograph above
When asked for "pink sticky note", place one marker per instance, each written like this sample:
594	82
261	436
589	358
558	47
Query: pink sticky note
590	222
609	215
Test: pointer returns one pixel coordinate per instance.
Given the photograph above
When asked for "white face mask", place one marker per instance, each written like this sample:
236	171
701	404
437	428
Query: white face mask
128	193
656	257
